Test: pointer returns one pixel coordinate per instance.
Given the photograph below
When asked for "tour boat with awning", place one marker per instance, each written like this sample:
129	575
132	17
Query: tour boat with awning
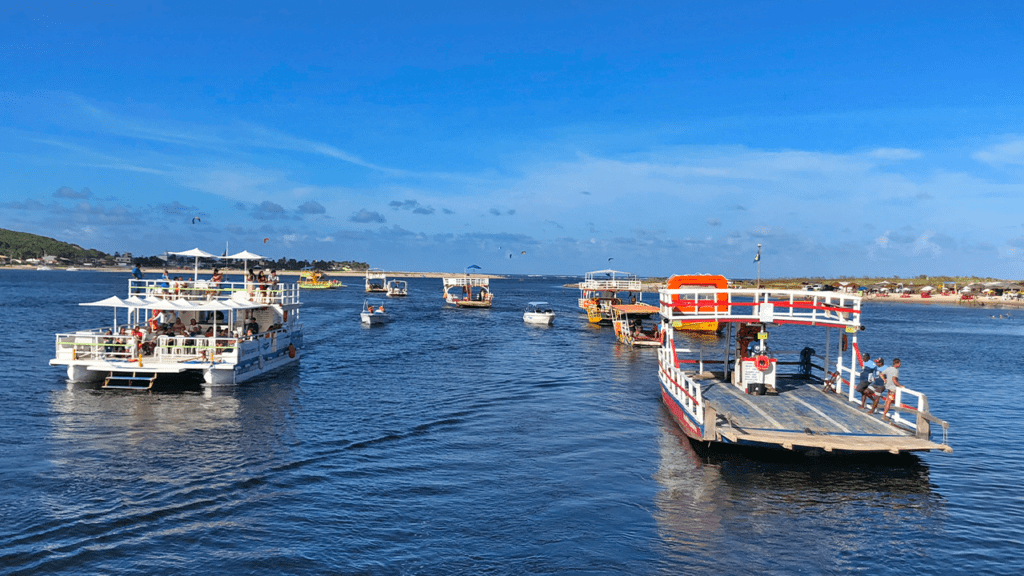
216	333
376	280
602	289
468	292
628	322
738	390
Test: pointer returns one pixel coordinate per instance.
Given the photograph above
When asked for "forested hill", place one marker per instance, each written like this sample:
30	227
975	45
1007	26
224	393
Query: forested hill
23	245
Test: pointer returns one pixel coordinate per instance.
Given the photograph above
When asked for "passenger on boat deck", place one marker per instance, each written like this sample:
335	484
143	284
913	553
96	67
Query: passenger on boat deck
274	280
193	328
108	348
209	332
867	373
250	284
178	327
253	326
875	387
891	377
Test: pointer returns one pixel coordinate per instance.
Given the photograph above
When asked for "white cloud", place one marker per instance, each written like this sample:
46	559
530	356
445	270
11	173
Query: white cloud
1010	152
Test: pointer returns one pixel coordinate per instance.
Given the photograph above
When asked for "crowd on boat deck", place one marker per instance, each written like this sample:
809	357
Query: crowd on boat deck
259	285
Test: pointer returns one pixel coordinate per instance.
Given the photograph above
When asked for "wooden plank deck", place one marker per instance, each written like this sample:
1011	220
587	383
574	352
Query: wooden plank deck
801	415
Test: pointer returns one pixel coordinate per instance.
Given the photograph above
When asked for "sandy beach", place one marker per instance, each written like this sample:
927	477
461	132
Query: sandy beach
206	271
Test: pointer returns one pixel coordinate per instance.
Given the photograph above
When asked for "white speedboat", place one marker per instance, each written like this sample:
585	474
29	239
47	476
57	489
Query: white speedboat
232	336
398	288
538	313
373	312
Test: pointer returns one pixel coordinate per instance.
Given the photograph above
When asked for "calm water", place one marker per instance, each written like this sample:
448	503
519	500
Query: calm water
463	441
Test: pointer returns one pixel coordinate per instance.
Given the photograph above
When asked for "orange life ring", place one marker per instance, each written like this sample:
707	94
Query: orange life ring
762	362
291	351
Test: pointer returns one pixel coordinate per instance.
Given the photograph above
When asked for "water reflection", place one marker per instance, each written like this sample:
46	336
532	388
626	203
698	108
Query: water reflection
731	512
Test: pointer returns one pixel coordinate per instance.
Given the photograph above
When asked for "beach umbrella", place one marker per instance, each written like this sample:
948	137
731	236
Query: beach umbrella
245	256
197	253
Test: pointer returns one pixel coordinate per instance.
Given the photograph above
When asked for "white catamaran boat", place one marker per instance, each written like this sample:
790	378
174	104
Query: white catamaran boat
398	288
738	391
376	280
229	332
468	292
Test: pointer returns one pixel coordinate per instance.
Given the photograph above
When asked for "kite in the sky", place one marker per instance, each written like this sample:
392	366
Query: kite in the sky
610	259
196	219
523	252
265	240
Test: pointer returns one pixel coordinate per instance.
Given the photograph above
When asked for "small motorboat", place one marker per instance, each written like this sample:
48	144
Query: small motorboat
538	313
373	312
398	288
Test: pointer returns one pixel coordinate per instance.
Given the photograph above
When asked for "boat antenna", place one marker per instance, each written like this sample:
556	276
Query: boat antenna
757	259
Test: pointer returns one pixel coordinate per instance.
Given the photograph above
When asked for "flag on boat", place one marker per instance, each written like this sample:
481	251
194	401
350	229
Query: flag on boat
758	257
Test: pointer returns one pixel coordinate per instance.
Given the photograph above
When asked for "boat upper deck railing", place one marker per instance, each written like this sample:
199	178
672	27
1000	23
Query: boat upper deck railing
831	309
466	281
375	273
206	290
617	284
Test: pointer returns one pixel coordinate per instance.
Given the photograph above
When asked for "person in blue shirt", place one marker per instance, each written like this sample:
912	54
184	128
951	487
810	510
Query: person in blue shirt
137	274
870	386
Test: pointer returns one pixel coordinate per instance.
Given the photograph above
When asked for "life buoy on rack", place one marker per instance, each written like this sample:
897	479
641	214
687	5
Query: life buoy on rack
845	342
291	350
762	362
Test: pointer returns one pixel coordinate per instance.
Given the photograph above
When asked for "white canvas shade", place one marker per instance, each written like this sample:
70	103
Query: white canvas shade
245	256
197	253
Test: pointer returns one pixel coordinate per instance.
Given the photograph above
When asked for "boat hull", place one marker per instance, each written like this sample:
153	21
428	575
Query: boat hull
373	319
538	318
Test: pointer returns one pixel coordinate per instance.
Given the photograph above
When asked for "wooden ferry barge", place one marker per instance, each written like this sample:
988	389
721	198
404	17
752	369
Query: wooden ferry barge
737	390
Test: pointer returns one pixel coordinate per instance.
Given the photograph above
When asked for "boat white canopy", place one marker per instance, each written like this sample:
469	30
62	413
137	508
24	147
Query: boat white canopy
197	253
112	301
245	255
150	303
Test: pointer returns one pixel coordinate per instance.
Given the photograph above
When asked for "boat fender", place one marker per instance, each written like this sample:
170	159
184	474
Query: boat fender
260	357
762	363
845	342
291	350
285	315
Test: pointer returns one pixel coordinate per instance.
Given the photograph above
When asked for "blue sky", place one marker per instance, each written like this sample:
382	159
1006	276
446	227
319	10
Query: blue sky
859	138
